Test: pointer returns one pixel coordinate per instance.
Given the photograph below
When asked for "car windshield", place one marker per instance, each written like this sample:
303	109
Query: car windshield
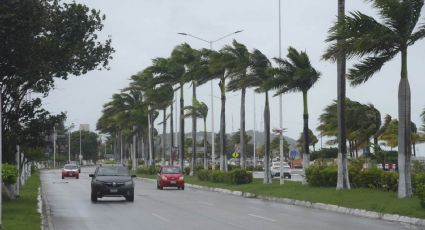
112	171
173	170
71	167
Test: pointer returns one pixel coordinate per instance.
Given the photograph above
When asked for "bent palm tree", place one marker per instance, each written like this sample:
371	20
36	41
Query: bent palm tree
240	80
261	70
380	42
297	75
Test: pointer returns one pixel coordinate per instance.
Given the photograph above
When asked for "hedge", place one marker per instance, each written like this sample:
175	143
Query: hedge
150	170
326	176
236	176
9	173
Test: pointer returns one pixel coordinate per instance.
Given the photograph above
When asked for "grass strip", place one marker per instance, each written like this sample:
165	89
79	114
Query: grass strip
22	214
361	198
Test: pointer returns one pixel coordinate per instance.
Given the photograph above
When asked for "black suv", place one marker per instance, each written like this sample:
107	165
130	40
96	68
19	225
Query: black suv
112	180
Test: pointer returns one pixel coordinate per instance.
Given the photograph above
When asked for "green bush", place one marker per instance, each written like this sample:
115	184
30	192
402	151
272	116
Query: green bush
9	174
236	176
420	192
326	176
321	176
187	170
150	170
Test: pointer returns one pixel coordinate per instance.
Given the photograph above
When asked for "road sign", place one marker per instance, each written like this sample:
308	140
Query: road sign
235	155
293	153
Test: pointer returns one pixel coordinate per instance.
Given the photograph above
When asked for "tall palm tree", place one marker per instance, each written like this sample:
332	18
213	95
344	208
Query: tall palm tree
296	74
261	70
240	80
197	71
218	66
393	34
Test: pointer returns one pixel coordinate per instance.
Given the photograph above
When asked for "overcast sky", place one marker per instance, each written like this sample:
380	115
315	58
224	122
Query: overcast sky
144	29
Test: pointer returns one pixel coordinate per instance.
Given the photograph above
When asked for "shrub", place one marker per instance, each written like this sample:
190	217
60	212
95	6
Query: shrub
9	174
420	192
326	176
150	170
187	170
236	176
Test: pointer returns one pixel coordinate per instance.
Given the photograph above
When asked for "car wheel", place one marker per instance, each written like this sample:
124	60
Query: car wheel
93	197
182	188
289	176
130	197
77	177
63	177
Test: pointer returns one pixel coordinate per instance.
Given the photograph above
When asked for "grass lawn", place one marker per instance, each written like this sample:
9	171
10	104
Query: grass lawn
368	199
21	214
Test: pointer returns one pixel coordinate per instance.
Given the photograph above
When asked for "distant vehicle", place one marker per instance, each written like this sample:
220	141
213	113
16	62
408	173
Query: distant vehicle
275	170
170	176
77	164
70	170
112	181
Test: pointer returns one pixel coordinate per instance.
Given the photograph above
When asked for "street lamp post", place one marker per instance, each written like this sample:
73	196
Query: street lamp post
210	42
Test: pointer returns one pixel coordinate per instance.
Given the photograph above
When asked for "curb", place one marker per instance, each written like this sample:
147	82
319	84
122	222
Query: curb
411	221
46	220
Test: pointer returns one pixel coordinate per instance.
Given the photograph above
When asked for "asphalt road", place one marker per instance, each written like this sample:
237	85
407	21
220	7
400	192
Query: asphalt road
71	208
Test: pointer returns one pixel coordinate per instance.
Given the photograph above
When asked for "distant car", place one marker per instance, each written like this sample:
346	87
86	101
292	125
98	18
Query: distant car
112	181
70	170
170	176
275	170
77	164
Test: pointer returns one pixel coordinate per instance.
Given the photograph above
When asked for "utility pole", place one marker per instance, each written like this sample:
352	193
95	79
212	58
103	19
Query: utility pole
54	146
280	104
255	128
80	157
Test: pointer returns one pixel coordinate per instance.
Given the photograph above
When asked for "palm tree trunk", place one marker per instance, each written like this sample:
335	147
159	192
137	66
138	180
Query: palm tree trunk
223	165
171	133
193	165
205	144
164	132
242	131
133	156
404	131
181	147
267	173
342	180
414	149
306	155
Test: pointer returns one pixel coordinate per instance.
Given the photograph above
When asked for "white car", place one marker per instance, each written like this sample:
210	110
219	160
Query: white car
275	170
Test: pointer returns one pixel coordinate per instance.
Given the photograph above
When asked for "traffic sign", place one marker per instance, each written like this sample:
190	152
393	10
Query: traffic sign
235	155
293	153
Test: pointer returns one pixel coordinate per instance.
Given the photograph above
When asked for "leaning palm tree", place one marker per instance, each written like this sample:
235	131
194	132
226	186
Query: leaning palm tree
260	68
296	74
240	80
218	66
380	41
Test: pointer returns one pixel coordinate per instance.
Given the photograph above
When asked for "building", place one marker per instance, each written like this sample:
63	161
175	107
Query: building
85	127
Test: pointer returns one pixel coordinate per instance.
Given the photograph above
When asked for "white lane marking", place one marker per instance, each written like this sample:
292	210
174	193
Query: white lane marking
262	217
206	203
160	217
258	209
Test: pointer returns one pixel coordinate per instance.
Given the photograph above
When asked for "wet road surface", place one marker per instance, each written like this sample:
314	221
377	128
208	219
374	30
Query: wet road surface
71	208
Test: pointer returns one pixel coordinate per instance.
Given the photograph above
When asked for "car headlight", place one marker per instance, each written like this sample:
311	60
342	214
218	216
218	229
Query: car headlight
181	178
128	183
164	177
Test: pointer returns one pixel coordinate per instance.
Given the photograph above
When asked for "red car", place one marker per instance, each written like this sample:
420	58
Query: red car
170	176
70	170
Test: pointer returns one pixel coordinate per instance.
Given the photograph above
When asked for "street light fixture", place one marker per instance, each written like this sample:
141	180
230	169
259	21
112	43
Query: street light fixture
212	102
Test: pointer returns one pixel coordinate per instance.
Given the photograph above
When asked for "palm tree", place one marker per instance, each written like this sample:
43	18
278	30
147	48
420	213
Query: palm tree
240	80
218	67
199	110
261	70
297	75
197	72
380	42
311	137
